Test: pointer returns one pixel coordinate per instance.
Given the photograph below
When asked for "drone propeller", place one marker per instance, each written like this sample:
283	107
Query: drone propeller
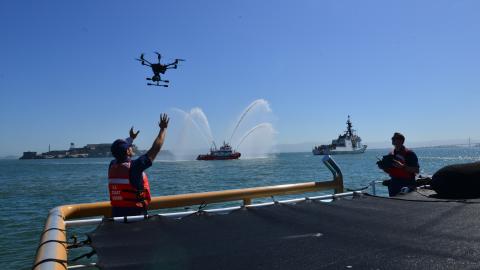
158	56
143	60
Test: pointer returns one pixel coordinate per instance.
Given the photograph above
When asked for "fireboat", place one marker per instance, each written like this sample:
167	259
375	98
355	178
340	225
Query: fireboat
225	152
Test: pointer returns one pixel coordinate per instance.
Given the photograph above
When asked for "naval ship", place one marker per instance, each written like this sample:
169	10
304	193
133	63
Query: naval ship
348	143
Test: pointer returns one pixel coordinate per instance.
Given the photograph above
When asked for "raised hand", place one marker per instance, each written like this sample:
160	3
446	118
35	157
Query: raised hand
163	121
133	135
157	144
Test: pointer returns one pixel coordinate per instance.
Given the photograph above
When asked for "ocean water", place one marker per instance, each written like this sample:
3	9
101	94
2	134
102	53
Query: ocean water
30	188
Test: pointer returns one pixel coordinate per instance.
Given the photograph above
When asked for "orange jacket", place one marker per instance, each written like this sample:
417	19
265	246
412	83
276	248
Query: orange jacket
395	172
122	193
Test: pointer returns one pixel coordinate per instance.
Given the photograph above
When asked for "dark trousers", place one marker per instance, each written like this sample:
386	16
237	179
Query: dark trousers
396	184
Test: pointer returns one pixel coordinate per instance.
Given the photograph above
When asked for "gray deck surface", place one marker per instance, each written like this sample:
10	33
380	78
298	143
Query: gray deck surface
412	231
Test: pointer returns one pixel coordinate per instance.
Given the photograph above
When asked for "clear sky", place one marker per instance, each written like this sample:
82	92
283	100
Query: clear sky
67	69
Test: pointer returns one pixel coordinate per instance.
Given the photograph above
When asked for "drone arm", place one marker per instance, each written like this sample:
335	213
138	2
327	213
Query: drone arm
149	64
143	61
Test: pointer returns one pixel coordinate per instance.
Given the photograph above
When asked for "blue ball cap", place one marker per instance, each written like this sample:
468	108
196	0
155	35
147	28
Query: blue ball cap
119	149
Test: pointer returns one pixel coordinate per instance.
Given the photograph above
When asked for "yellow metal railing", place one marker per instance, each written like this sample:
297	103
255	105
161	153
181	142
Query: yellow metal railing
52	250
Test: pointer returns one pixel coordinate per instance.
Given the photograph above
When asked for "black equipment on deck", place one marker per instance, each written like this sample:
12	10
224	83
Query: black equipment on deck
458	181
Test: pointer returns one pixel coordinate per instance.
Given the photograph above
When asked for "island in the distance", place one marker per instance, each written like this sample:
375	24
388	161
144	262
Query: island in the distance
89	151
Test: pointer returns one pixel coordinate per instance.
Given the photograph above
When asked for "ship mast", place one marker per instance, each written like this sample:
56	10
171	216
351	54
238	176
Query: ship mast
349	128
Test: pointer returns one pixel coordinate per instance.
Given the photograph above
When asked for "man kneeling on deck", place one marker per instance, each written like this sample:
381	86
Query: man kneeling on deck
402	166
127	183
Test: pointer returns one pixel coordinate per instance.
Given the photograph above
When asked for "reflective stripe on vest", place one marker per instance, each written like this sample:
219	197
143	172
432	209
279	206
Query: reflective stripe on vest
122	193
118	181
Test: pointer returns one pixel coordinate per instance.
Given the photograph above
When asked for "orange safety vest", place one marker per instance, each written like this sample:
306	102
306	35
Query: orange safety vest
395	172
122	193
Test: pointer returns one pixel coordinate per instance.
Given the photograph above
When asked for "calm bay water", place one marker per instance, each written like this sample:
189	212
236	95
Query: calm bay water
30	188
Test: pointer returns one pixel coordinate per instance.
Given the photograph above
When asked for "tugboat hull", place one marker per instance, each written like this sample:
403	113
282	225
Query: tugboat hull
214	157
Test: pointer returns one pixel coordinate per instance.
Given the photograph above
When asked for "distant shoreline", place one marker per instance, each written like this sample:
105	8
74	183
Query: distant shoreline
101	150
167	152
281	148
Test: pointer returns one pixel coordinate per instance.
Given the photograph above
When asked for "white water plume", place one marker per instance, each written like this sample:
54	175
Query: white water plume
262	125
202	126
188	143
199	117
256	103
193	136
258	141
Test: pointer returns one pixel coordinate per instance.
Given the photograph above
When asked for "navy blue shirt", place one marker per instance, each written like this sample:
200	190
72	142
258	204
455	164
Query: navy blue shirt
136	169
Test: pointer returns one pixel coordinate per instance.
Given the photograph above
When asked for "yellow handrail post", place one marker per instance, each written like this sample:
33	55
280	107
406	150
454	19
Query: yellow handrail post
336	172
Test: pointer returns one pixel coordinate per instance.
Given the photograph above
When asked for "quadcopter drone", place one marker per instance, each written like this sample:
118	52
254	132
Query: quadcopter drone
158	69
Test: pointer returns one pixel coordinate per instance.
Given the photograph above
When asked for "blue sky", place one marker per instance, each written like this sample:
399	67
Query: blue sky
68	74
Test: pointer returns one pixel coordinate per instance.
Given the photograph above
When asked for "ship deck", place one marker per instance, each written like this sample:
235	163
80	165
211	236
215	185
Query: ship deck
339	231
413	231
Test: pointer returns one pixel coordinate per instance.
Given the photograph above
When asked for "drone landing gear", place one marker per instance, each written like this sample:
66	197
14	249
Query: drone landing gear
156	84
157	80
